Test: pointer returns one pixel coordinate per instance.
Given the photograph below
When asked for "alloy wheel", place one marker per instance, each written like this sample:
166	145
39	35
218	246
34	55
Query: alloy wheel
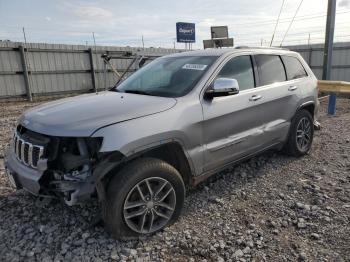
303	136
149	205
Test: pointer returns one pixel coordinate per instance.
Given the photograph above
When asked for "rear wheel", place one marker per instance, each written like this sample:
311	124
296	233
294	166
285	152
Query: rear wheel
300	134
144	197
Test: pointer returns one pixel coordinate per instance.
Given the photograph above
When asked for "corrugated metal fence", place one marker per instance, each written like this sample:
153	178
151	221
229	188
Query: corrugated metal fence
53	69
313	55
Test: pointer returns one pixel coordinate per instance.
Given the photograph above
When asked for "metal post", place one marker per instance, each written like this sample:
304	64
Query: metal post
25	73
309	61
328	49
105	73
93	77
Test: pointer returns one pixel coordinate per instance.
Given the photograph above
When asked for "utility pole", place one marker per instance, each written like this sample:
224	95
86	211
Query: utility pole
328	50
93	36
143	43
24	35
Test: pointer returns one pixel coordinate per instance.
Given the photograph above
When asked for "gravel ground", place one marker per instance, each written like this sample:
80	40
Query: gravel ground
271	208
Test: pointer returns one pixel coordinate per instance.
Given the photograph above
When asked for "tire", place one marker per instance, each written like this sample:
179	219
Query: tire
153	213
302	120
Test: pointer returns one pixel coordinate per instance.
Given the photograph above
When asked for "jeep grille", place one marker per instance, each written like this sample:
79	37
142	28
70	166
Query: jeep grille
26	152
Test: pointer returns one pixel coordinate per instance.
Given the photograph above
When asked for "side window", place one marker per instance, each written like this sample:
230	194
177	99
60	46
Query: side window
239	68
294	68
270	69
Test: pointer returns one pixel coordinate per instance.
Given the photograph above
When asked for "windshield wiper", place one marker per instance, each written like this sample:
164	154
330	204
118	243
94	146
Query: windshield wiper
139	92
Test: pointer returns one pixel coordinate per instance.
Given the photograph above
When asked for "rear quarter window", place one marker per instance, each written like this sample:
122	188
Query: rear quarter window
294	67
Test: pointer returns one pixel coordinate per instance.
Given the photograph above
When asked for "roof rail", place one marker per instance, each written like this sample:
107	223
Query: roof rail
260	47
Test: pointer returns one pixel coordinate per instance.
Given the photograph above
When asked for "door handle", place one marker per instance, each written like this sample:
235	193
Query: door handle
292	88
255	97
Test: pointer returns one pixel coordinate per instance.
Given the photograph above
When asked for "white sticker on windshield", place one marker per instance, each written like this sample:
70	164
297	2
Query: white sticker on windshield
195	67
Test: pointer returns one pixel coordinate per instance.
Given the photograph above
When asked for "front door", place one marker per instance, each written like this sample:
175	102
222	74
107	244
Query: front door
229	121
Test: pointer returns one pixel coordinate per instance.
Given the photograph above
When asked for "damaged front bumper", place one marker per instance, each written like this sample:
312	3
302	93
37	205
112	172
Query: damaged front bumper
34	180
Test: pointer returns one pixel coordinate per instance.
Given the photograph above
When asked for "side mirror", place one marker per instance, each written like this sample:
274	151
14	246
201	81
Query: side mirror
223	87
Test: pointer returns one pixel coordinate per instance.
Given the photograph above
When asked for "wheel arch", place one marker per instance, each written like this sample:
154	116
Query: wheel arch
171	152
174	154
309	106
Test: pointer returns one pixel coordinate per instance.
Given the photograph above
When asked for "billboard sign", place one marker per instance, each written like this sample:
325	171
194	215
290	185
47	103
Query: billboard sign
185	32
218	43
219	32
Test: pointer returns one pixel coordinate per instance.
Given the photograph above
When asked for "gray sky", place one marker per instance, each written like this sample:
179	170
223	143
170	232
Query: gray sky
124	22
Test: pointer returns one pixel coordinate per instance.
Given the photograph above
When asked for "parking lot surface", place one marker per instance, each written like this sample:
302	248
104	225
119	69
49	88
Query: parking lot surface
272	207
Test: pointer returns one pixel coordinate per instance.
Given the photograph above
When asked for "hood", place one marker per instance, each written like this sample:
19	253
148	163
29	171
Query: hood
84	114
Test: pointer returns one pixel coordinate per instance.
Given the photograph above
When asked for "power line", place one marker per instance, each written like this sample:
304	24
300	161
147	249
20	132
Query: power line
291	22
278	18
288	19
305	32
299	40
313	29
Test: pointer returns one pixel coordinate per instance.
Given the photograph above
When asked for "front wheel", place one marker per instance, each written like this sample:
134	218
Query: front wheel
300	134
146	196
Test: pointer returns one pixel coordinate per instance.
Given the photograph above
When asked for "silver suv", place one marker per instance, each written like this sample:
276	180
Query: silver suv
171	124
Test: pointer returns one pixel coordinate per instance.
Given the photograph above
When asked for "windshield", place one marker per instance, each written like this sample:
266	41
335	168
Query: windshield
168	76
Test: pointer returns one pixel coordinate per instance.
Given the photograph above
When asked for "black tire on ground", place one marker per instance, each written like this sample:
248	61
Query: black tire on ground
302	118
143	173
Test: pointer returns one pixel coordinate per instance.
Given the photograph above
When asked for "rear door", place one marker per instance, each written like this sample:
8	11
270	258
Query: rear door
278	99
